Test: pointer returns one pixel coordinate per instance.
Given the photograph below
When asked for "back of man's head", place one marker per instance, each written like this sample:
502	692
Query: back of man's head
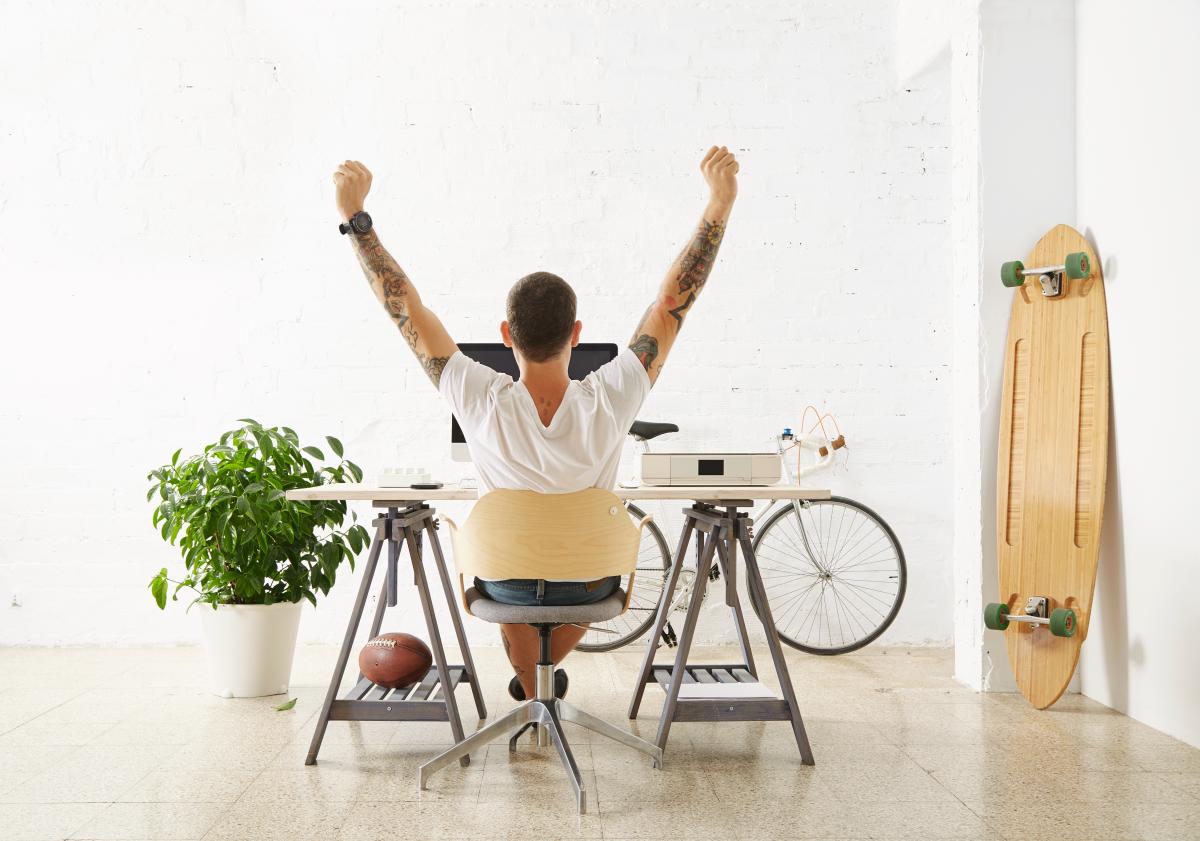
541	315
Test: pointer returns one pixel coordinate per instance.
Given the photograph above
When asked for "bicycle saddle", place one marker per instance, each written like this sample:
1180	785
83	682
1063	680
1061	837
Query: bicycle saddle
644	430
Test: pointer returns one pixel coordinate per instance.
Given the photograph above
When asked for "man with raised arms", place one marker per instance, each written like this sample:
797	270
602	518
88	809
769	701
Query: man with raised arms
543	432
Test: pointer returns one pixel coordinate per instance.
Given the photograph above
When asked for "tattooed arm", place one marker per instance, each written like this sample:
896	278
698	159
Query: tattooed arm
655	334
418	325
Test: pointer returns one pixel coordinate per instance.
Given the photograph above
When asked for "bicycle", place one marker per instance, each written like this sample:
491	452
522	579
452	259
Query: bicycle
833	570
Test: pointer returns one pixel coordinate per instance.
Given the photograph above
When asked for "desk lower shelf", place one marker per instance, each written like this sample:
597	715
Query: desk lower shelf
721	708
367	701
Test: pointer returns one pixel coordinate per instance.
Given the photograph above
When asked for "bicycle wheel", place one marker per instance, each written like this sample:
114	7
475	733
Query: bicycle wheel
654	560
833	572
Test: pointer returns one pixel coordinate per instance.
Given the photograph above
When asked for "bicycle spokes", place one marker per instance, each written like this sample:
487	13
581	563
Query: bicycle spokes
833	573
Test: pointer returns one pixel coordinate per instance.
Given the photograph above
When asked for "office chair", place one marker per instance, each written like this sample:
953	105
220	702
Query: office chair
583	536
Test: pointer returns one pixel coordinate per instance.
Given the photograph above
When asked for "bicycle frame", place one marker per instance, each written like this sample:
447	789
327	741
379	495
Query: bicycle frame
802	454
817	441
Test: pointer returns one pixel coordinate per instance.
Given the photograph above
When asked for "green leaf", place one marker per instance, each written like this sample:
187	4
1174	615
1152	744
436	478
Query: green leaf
286	705
250	421
175	457
158	588
314	452
335	445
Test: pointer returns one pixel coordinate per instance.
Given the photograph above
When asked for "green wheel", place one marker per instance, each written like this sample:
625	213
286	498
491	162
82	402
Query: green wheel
995	616
1062	622
1078	265
1010	273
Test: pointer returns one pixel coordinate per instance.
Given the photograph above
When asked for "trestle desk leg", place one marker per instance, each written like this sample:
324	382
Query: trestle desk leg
685	640
435	639
339	670
754	581
727	558
664	612
456	620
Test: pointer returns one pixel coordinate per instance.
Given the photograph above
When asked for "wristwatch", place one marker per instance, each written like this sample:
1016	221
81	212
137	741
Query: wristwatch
359	223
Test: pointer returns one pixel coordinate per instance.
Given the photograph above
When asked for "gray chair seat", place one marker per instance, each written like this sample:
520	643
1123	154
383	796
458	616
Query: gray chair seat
572	614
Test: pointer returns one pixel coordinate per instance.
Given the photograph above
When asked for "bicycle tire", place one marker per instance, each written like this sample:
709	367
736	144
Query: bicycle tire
654	562
782	593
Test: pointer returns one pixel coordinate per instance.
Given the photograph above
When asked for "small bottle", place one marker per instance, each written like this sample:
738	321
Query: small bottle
787	434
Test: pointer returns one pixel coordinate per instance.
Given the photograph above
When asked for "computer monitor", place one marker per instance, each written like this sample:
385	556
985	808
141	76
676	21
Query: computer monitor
585	358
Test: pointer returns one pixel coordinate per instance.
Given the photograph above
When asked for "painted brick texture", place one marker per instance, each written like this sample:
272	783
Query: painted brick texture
171	263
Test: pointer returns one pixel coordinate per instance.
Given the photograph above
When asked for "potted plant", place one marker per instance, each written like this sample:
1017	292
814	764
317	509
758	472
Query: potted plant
251	555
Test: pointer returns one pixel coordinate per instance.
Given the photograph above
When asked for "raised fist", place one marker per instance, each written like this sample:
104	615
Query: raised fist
353	182
720	170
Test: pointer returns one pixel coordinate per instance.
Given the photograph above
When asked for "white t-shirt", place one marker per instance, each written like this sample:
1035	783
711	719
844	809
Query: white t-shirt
511	448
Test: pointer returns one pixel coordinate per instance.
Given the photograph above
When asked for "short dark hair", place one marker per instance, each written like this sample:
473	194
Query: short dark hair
541	315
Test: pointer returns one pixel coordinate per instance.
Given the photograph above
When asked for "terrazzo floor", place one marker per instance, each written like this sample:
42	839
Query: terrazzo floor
126	744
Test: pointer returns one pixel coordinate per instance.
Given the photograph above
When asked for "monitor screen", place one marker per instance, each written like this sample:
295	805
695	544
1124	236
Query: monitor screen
585	358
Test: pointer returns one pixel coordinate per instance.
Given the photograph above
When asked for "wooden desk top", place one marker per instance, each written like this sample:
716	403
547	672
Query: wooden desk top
375	493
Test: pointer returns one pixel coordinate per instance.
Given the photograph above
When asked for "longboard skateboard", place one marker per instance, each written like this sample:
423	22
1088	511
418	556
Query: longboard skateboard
1052	461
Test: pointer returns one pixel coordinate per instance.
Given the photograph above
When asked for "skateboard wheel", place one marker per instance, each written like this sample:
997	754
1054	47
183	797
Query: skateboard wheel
1078	265
995	616
1062	622
1010	273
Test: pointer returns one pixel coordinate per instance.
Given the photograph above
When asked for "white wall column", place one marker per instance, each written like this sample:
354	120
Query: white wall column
1013	78
1138	175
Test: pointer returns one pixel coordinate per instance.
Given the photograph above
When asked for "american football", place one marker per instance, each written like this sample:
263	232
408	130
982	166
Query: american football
394	660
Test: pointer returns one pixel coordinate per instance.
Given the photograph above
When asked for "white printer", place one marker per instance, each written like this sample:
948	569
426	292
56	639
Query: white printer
731	469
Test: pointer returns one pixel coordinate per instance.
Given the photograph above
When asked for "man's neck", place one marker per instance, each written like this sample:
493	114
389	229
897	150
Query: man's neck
546	383
550	375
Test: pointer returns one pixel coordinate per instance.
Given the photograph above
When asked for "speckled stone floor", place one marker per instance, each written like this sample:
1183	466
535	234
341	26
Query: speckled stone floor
125	744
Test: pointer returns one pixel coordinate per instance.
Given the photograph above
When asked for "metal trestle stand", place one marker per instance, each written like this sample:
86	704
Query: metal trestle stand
719	534
432	697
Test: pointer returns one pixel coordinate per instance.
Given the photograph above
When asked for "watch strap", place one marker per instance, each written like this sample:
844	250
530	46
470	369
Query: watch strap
349	226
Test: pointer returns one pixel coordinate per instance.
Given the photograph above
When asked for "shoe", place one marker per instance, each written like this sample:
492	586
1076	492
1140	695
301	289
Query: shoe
561	682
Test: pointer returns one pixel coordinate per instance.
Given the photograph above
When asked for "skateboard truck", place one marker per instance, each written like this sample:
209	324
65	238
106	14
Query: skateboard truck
1036	610
1076	267
1061	621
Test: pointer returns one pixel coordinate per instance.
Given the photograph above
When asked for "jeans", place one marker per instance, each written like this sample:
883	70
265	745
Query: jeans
530	592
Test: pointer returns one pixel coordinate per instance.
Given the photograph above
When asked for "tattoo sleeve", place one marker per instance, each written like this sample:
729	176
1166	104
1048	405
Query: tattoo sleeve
395	291
663	319
697	259
646	348
695	264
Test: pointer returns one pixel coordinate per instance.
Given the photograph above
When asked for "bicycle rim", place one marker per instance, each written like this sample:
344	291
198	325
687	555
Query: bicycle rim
654	560
833	572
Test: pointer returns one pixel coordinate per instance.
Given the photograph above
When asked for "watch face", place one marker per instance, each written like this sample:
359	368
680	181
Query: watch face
361	222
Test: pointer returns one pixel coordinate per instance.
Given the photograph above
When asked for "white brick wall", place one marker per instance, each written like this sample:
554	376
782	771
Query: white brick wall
170	261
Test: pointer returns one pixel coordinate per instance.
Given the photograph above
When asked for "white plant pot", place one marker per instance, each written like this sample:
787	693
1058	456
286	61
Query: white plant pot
249	647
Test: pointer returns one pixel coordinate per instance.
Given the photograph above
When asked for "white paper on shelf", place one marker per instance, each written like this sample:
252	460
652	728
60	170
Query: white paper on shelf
725	690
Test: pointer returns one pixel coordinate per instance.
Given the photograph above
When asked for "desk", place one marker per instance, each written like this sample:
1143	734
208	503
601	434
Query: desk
715	520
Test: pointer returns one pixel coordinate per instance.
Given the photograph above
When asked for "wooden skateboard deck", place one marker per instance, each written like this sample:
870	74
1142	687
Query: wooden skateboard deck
1052	461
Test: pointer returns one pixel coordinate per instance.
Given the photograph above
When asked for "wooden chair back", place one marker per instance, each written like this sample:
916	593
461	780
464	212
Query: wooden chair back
580	536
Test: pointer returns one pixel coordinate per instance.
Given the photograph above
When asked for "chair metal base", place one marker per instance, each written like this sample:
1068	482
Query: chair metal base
549	713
